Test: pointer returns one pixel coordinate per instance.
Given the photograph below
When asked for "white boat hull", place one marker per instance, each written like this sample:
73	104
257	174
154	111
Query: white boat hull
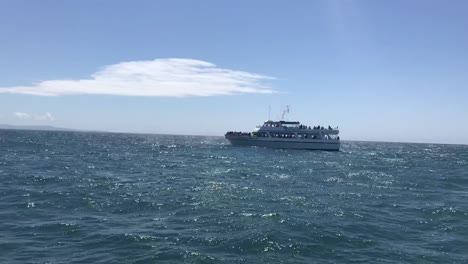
311	144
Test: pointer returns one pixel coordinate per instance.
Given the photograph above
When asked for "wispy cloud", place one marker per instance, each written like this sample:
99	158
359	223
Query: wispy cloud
37	117
161	77
21	115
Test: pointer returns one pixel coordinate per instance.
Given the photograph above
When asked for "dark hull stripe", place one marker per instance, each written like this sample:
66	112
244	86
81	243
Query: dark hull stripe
282	141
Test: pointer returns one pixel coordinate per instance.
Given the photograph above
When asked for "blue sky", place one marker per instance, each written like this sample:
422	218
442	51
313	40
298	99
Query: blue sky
380	70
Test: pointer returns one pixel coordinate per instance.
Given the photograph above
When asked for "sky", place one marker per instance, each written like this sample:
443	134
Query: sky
380	70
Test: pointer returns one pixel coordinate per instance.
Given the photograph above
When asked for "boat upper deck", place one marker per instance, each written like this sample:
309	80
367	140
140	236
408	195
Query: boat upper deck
293	126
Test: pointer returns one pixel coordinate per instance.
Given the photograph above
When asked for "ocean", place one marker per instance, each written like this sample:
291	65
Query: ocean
72	197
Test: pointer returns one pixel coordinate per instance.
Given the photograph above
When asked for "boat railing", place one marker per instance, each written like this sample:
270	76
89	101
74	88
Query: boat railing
315	128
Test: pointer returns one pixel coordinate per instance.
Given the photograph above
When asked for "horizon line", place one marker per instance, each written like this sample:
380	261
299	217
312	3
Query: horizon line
75	130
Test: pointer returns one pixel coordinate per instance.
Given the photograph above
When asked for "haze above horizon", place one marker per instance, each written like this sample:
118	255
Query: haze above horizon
380	70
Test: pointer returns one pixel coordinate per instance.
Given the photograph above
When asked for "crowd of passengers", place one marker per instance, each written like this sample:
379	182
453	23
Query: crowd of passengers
239	133
274	135
300	127
315	127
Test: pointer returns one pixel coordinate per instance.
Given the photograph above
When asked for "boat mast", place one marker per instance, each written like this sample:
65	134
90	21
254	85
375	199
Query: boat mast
285	112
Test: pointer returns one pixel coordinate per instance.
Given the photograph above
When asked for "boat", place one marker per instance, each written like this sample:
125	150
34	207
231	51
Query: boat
287	135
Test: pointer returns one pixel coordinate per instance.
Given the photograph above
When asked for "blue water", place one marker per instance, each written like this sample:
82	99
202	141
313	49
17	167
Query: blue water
70	197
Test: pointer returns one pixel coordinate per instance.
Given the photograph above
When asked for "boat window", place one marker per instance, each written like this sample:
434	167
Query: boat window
262	134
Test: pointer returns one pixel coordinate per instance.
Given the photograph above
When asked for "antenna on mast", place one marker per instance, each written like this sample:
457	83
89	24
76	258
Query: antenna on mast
269	112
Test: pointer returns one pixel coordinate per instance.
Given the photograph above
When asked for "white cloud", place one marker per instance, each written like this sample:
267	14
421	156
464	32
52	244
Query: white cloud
45	117
161	77
22	115
37	117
